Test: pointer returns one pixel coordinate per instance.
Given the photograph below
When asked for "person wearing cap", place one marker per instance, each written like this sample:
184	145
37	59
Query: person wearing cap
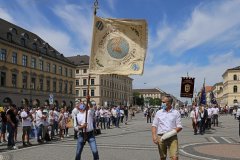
82	126
165	126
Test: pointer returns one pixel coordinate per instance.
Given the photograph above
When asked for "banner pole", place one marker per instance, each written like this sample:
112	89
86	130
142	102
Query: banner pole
95	7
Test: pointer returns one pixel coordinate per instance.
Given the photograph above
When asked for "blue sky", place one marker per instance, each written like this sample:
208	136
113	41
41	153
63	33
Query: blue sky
198	37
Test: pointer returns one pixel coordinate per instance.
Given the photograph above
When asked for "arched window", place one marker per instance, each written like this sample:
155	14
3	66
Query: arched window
9	37
34	46
234	89
25	35
13	30
44	50
22	41
234	77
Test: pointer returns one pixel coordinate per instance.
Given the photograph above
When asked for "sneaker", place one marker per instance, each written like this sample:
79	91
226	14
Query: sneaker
24	145
68	135
30	144
15	147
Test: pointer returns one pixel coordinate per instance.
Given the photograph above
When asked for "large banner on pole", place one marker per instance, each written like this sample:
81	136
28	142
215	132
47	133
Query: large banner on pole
187	87
118	46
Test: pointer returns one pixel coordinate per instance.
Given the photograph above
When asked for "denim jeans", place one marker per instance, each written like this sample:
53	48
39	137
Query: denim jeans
11	131
39	132
91	141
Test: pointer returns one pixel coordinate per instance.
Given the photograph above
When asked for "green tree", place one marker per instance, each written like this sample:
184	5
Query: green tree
138	99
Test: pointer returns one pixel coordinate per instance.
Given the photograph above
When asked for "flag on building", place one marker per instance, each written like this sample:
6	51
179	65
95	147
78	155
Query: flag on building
213	99
203	95
118	46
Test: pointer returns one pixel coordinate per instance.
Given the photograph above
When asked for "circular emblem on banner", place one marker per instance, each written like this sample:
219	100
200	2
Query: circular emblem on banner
135	67
99	25
117	47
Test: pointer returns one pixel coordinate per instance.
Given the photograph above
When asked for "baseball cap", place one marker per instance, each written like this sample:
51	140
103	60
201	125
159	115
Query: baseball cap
82	106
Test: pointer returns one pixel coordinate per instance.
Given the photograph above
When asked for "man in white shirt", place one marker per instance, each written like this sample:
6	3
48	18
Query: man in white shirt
210	114
88	128
39	124
26	124
195	118
215	115
165	126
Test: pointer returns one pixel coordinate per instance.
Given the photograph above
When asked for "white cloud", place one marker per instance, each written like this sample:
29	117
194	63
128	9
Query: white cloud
5	15
210	22
205	24
168	78
79	20
58	39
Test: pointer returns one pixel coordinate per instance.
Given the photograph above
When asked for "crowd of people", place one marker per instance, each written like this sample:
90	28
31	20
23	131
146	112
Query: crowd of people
47	122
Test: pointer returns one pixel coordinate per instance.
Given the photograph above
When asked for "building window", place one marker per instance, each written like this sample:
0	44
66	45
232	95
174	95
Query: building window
3	79
33	62
77	71
235	89
41	65
54	86
92	81
33	83
48	85
34	46
70	72
48	67
24	82
22	42
54	69
77	82
234	77
84	81
9	37
66	72
44	50
92	92
84	93
3	54
60	70
60	87
41	84
102	82
84	70
14	58
24	60
70	89
14	80
77	92
66	87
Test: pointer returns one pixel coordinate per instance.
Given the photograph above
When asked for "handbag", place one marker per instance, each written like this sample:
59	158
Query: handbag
69	123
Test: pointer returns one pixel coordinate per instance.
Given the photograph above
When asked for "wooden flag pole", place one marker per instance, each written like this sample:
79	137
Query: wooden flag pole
89	76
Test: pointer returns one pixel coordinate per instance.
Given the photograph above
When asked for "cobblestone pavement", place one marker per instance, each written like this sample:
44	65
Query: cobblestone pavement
133	142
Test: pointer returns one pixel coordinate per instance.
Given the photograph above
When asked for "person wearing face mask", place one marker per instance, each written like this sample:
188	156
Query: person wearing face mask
165	126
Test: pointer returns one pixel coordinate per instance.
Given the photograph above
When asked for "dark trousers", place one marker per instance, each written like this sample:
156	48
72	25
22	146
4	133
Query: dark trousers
209	123
149	119
202	126
11	131
215	120
102	119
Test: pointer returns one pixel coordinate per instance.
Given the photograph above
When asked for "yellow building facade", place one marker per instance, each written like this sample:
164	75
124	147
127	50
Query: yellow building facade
31	71
231	87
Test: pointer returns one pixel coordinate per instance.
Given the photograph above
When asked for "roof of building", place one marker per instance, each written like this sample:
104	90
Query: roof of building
14	34
208	88
80	60
232	69
152	90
